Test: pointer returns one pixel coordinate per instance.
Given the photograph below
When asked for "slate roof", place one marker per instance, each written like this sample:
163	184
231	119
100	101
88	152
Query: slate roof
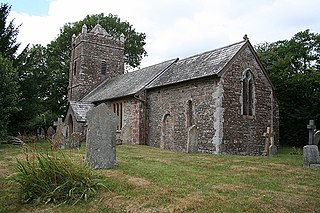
165	73
127	84
198	66
80	109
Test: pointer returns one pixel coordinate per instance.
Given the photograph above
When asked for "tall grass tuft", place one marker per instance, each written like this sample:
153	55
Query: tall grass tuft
46	178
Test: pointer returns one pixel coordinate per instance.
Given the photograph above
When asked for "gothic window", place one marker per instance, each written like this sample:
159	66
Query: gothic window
103	67
247	93
74	67
189	113
117	108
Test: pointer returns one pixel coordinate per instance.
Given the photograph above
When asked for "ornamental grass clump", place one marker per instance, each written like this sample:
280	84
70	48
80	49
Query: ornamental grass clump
48	178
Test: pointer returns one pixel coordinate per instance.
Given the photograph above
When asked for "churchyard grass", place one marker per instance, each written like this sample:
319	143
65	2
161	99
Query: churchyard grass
149	179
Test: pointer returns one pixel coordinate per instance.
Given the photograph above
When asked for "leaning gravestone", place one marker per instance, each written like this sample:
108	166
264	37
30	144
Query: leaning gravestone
101	137
192	144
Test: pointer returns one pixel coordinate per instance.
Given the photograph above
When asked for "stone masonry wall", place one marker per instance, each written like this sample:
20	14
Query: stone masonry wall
133	128
167	113
132	131
243	134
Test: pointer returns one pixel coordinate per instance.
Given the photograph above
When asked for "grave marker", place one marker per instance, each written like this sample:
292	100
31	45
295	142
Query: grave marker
270	149
192	144
101	137
58	138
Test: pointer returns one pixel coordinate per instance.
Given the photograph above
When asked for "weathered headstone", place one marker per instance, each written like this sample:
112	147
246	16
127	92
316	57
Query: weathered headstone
311	156
192	144
75	140
58	138
50	132
101	137
41	133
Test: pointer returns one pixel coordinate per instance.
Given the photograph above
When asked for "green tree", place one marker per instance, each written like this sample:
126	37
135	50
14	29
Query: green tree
8	71
8	93
58	53
8	34
35	111
293	67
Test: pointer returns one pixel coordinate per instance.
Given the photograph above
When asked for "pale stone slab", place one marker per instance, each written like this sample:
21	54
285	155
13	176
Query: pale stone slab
101	137
310	155
192	145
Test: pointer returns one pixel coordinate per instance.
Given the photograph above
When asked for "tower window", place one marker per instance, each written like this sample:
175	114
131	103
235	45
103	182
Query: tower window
103	67
74	67
247	93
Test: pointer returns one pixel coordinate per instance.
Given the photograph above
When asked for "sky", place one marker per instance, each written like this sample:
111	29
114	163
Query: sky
173	28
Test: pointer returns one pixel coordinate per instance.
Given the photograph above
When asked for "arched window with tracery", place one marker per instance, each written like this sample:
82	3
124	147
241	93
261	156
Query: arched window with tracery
248	93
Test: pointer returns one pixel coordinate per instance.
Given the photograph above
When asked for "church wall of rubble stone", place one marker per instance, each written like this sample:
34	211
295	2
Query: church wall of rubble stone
243	133
168	113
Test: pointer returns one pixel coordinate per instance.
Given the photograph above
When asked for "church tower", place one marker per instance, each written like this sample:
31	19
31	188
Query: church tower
95	57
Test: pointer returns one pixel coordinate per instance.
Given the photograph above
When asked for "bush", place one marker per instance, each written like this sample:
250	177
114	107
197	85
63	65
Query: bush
47	178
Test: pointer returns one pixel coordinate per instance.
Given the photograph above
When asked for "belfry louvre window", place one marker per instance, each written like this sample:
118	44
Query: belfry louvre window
103	67
247	93
117	108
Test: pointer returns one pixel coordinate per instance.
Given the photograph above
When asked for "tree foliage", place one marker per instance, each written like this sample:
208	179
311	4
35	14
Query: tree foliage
8	34
8	93
294	69
8	71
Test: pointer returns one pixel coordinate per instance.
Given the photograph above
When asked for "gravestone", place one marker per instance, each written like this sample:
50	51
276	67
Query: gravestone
41	133
270	149
50	132
311	156
58	138
192	144
75	140
101	137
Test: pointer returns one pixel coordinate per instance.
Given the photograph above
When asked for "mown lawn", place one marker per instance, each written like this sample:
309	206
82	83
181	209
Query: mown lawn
149	179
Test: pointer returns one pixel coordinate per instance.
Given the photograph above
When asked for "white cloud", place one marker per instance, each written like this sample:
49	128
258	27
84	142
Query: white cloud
181	28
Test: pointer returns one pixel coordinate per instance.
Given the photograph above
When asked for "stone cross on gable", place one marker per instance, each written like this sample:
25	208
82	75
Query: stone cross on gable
58	122
311	127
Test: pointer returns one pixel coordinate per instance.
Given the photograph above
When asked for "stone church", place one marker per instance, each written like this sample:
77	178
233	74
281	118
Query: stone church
221	101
